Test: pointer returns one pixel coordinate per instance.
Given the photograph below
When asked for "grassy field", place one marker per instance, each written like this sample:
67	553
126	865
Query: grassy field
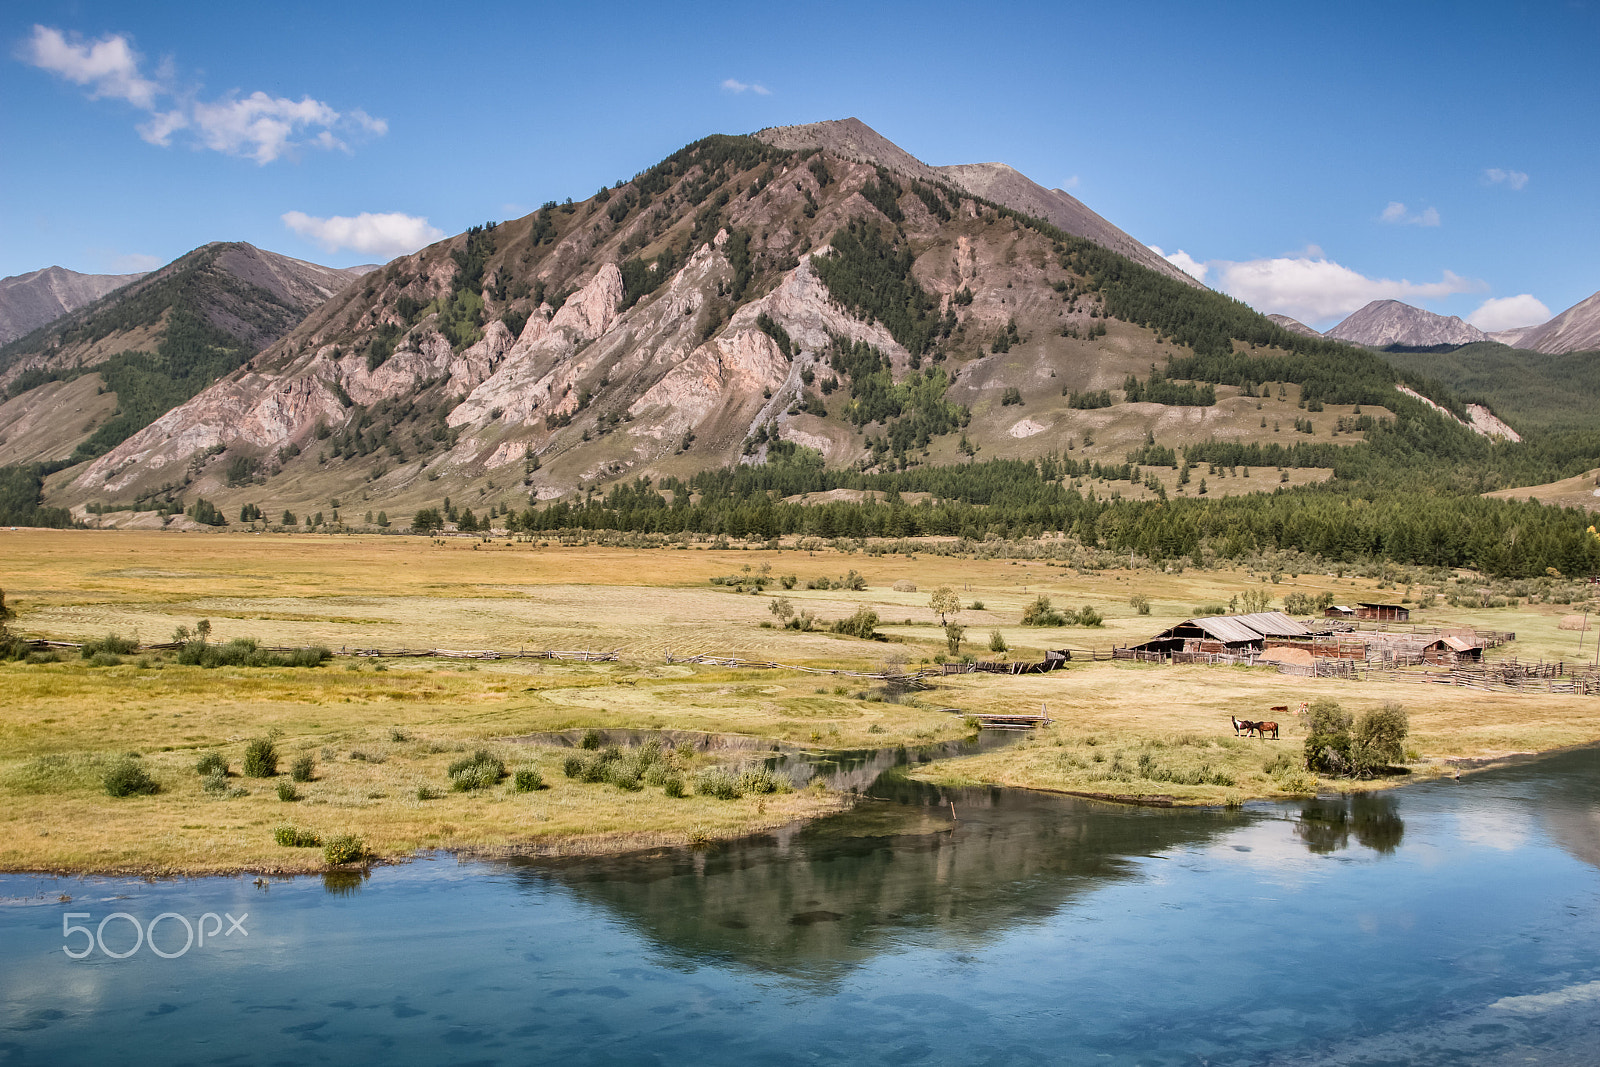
382	733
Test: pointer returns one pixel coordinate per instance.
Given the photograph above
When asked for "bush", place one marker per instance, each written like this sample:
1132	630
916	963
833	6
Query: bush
302	768
1087	616
105	659
1327	747
591	739
1379	739
673	787
716	782
287	792
905	585
479	771
127	777
261	759
997	641
211	763
527	780
761	781
346	848
863	624
1139	603
215	784
572	766
1040	613
110	644
289	837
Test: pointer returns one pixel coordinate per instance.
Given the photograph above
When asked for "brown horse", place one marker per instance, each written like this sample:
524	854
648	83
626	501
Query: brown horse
1263	727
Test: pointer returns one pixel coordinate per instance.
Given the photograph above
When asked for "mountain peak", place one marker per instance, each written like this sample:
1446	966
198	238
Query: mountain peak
854	140
1390	322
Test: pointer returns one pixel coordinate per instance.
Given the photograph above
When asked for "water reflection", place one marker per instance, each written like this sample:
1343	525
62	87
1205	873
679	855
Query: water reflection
820	900
344	883
1326	823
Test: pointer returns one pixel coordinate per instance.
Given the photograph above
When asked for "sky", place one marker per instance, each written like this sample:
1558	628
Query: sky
1305	158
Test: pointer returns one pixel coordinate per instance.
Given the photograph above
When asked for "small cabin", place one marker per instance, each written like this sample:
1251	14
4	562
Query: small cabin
1383	612
1339	611
1453	650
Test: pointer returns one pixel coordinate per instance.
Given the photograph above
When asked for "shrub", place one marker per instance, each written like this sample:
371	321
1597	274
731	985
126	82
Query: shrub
905	585
289	837
716	782
398	735
427	792
527	780
673	787
1139	603
211	763
761	781
1040	613
1379	739
479	771
863	624
346	848
110	644
105	659
572	766
127	777
287	792
997	641
591	739
261	759
1087	616
1327	747
301	769
215	784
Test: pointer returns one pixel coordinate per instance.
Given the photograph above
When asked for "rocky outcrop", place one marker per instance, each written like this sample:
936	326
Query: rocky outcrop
1294	326
1480	419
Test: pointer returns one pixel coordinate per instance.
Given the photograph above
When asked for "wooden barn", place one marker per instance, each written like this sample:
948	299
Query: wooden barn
1224	633
1383	612
1454	649
1338	611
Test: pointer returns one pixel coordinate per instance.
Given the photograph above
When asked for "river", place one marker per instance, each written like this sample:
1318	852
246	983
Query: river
1444	923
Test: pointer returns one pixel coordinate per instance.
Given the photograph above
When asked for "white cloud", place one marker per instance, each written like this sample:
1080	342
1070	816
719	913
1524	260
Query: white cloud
387	235
1509	312
1396	213
109	66
1070	183
1184	262
1513	179
257	126
1312	288
734	85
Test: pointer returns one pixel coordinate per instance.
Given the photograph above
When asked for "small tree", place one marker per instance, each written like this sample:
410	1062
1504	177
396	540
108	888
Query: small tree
1040	613
261	758
782	608
953	634
1139	603
997	641
1327	738
1379	739
944	602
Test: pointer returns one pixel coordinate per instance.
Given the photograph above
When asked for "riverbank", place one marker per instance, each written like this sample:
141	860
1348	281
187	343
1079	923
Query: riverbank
382	734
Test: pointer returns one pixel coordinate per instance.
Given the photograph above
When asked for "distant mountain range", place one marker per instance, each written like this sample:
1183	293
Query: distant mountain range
81	383
1385	323
29	301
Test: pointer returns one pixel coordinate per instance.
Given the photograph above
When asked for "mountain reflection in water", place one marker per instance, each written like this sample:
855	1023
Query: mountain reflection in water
818	900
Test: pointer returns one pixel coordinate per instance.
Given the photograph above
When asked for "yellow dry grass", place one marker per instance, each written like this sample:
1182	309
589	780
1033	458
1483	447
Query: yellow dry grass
61	722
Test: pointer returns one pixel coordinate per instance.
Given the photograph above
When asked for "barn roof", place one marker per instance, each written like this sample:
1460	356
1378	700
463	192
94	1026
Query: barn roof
1273	624
1243	629
1371	604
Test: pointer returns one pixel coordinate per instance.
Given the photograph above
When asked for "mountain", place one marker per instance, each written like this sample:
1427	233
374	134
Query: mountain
135	353
1389	322
741	303
1294	326
855	140
1576	329
29	301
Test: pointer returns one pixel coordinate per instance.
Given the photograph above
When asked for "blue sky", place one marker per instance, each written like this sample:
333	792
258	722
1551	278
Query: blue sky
1308	157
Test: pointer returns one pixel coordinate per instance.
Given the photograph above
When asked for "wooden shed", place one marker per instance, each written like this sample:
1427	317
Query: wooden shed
1224	633
1383	612
1338	611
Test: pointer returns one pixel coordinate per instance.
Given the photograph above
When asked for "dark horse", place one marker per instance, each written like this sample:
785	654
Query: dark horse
1242	724
1263	727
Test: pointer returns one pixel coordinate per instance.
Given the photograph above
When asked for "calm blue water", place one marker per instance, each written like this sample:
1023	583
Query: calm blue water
1457	922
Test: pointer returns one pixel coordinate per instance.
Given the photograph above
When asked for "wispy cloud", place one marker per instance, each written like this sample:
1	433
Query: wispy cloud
1397	213
1509	312
1511	179
1070	183
255	126
734	85
1309	286
134	263
387	235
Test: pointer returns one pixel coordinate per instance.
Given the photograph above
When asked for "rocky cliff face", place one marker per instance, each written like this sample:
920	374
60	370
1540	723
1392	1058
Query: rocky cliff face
29	301
1294	325
1389	322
